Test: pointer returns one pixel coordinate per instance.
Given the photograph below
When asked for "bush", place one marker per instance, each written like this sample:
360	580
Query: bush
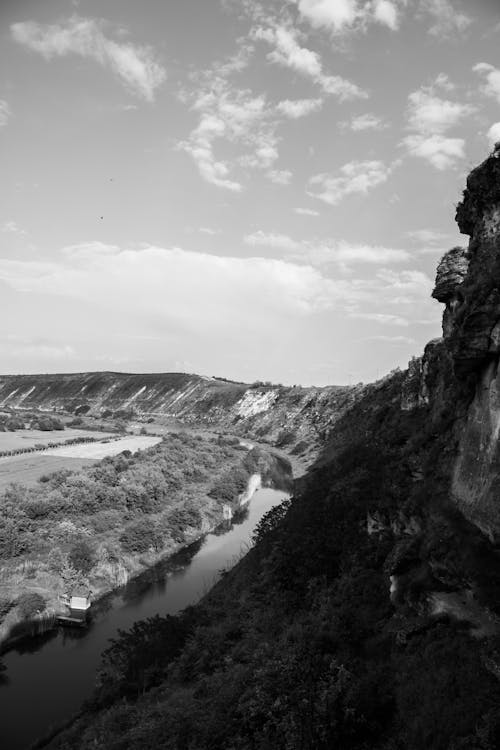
140	535
31	603
82	557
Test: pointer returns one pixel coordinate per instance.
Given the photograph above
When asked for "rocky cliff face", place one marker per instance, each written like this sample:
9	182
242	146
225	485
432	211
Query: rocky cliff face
287	415
468	282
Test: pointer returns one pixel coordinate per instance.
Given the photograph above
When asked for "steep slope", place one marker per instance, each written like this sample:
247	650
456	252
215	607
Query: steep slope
286	415
367	615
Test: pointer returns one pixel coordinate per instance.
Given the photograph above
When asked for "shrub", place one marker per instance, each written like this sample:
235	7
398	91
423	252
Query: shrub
140	535
31	603
82	556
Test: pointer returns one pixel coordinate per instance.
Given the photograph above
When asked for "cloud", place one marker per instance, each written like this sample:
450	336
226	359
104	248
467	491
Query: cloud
446	20
271	239
5	113
338	16
364	122
430	114
492	75
442	153
209	230
173	286
493	134
280	176
237	116
134	65
306	212
299	107
288	53
383	318
430	117
396	340
12	227
427	236
354	177
346	254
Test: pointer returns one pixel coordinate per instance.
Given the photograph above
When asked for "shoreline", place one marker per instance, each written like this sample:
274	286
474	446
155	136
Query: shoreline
99	595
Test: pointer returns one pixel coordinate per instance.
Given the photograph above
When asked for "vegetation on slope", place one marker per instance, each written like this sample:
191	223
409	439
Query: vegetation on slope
300	646
98	526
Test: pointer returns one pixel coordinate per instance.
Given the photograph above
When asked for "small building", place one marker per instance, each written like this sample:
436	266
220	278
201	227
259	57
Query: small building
79	606
79	602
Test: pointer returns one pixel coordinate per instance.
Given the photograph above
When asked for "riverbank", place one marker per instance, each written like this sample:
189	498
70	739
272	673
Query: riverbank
55	674
113	564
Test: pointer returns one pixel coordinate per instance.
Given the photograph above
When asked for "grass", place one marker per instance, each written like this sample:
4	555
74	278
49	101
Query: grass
29	438
102	450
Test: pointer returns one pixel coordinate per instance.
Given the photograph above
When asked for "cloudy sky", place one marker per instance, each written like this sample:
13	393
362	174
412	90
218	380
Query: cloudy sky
259	190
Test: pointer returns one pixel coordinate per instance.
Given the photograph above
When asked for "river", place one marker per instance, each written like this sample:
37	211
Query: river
49	677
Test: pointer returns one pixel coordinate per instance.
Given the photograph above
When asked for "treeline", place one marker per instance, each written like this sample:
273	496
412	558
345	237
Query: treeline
13	422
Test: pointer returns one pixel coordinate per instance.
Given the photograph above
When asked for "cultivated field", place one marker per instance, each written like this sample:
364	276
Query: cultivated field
27	469
132	443
29	438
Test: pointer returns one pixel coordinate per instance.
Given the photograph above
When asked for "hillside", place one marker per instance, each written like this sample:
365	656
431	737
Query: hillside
367	615
291	416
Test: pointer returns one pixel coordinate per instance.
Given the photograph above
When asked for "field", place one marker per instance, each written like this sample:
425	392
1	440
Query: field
27	469
29	438
101	450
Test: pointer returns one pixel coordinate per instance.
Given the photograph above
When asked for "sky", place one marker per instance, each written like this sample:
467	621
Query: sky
253	190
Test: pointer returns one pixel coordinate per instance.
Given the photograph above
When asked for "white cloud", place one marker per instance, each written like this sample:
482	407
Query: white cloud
330	14
492	76
430	114
446	20
365	122
298	107
5	113
13	228
338	16
172	288
441	152
430	117
134	65
345	254
234	115
354	177
493	134
306	212
383	318
288	53
427	236
209	230
271	239
280	176
396	340
386	13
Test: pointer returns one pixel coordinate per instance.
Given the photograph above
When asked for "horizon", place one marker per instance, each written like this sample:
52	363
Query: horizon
264	193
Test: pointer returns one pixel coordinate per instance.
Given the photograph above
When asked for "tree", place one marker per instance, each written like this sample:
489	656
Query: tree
82	557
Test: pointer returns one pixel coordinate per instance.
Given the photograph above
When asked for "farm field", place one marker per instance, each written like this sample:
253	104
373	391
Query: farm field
27	469
29	438
100	450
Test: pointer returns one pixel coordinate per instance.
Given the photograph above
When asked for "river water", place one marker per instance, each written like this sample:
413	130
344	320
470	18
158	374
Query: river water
48	677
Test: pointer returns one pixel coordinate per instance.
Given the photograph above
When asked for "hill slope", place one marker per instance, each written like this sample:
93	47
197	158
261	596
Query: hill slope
287	415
